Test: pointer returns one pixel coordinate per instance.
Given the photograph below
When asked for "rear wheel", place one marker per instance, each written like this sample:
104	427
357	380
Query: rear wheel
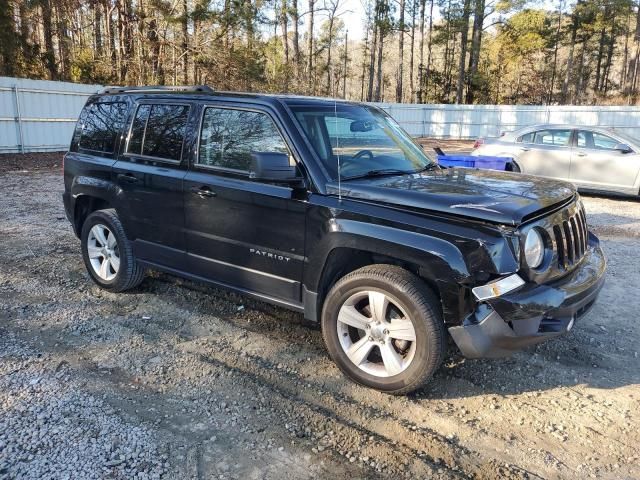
107	252
382	326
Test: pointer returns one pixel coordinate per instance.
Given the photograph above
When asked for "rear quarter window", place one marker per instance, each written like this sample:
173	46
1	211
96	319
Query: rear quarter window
99	126
158	131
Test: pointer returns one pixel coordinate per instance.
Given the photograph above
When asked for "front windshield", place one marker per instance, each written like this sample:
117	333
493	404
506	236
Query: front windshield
362	139
625	137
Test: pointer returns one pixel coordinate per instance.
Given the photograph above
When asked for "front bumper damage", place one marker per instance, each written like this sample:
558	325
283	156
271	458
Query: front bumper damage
534	313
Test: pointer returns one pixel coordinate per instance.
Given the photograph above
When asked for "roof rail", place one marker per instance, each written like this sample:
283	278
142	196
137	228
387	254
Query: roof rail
158	88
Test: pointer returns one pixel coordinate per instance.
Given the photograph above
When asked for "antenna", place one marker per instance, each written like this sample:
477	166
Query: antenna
335	116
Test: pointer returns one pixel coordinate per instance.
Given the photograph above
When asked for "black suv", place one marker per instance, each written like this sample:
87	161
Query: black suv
328	208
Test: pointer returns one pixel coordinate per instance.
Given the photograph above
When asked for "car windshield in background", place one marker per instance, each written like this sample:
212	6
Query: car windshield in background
625	137
364	140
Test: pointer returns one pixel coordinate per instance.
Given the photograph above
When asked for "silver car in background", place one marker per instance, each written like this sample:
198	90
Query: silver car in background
592	158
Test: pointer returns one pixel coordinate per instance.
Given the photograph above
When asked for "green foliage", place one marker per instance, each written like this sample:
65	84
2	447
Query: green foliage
516	51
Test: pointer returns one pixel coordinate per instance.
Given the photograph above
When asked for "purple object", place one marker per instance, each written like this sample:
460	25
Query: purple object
468	161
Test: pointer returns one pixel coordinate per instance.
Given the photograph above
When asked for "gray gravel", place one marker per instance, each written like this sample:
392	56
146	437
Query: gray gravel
179	380
52	427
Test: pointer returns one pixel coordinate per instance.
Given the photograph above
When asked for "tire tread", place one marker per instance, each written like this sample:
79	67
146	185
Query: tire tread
423	298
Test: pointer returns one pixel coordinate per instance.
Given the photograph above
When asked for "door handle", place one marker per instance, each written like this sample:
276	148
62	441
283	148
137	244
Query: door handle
581	154
524	149
203	192
128	177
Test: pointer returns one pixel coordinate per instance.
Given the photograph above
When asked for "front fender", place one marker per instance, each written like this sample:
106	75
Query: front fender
439	261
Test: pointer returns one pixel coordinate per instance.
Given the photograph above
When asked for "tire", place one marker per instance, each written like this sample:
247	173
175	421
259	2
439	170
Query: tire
107	252
394	363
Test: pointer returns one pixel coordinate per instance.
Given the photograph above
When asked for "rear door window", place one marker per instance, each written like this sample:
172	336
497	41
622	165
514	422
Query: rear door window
557	138
527	137
100	125
158	131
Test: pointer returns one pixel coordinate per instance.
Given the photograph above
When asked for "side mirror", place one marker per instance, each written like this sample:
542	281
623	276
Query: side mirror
273	167
623	148
361	126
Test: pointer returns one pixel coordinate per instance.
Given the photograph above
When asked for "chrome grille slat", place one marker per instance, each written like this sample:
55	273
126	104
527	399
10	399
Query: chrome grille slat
577	241
560	247
570	236
585	228
569	241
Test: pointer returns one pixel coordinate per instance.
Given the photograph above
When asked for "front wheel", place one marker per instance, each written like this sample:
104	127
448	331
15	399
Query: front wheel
383	328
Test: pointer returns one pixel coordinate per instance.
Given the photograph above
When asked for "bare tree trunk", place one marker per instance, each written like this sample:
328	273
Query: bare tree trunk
295	18
328	89
49	55
310	73
420	95
572	46
64	49
625	60
604	86
601	44
365	51
378	93
476	43
284	20
555	56
372	59
414	7
464	33
344	67
633	63
185	42
580	77
400	73
429	50
97	18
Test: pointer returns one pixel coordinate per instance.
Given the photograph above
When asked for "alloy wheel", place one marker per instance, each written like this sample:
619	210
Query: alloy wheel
104	255
376	334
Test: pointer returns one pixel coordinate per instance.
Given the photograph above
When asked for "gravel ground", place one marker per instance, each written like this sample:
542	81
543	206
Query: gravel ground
179	380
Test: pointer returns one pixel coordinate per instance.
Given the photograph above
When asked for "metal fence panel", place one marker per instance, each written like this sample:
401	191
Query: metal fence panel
473	121
39	115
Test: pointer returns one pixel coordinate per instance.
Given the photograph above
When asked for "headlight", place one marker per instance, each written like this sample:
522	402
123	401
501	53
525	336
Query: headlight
534	249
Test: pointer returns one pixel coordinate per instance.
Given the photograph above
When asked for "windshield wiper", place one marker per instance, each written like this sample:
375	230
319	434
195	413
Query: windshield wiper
390	171
380	172
427	167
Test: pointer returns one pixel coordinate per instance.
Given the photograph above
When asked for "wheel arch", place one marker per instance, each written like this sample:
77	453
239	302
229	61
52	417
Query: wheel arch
88	195
437	262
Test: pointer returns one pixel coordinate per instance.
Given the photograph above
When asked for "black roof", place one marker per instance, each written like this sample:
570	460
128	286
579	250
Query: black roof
204	90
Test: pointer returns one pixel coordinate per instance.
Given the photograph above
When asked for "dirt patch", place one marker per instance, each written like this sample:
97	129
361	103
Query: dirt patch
447	145
214	385
29	162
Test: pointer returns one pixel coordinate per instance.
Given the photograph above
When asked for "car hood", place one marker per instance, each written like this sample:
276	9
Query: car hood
500	197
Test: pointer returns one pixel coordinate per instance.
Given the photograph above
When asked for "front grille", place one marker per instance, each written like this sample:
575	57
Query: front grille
570	237
567	238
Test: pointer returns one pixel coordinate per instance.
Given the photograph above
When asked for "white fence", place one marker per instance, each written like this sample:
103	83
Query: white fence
39	115
472	121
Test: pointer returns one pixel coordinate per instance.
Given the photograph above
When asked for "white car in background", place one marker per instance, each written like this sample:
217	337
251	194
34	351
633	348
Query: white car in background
592	158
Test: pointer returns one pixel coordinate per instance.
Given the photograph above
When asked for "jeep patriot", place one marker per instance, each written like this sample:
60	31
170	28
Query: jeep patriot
329	208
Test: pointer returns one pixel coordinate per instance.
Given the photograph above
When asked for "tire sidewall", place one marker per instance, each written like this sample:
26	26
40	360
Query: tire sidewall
426	346
100	217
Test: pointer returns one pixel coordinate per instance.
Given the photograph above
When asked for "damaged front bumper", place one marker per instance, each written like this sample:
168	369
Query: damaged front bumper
533	313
